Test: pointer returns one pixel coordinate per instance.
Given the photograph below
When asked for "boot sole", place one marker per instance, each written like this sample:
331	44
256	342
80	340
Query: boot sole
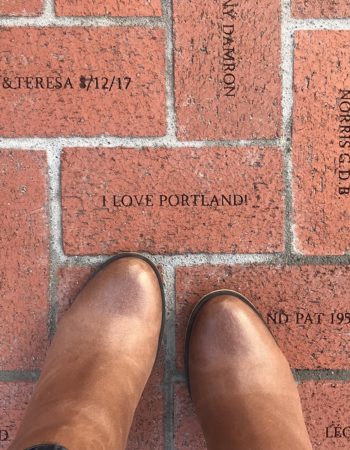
199	305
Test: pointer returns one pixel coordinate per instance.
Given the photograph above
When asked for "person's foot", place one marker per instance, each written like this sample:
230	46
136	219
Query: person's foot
240	382
99	361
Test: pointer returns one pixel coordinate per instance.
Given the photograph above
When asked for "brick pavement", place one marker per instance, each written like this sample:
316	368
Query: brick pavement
213	137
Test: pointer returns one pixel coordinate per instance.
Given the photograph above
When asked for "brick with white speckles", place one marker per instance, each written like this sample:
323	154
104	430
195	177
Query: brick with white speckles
172	200
121	8
24	259
326	406
14	399
227	75
21	8
321	9
306	307
82	81
321	142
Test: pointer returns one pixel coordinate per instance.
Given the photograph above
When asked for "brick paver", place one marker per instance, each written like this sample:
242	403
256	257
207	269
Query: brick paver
321	142
321	8
150	195
158	127
108	8
82	81
227	57
325	406
14	398
306	307
327	410
21	8
24	259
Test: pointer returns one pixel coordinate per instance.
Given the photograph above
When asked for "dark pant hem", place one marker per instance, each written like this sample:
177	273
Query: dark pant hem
47	447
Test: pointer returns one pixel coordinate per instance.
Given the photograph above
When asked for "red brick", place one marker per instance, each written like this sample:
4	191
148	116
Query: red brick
147	430
14	399
326	406
320	8
321	211
23	259
204	110
188	432
90	228
292	290
21	7
108	8
109	54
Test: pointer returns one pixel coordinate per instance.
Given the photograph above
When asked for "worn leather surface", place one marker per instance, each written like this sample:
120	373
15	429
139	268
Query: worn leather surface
98	363
242	386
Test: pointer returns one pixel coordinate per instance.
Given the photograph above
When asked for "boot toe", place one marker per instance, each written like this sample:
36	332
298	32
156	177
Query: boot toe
127	284
240	382
227	335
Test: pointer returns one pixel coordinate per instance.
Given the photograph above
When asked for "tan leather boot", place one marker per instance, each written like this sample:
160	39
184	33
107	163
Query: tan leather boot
99	361
241	384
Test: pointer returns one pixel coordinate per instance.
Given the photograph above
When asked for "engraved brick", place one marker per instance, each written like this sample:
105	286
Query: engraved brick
98	219
327	412
325	407
306	307
321	8
108	8
82	81
227	57
147	429
321	143
24	261
21	7
14	399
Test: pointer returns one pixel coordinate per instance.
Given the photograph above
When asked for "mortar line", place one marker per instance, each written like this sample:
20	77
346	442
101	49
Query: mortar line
319	24
300	375
196	259
179	260
287	102
178	376
7	376
139	143
169	72
49	10
55	232
49	19
170	354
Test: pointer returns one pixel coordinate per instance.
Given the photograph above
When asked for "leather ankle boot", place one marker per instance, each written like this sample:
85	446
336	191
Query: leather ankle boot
99	361
239	380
